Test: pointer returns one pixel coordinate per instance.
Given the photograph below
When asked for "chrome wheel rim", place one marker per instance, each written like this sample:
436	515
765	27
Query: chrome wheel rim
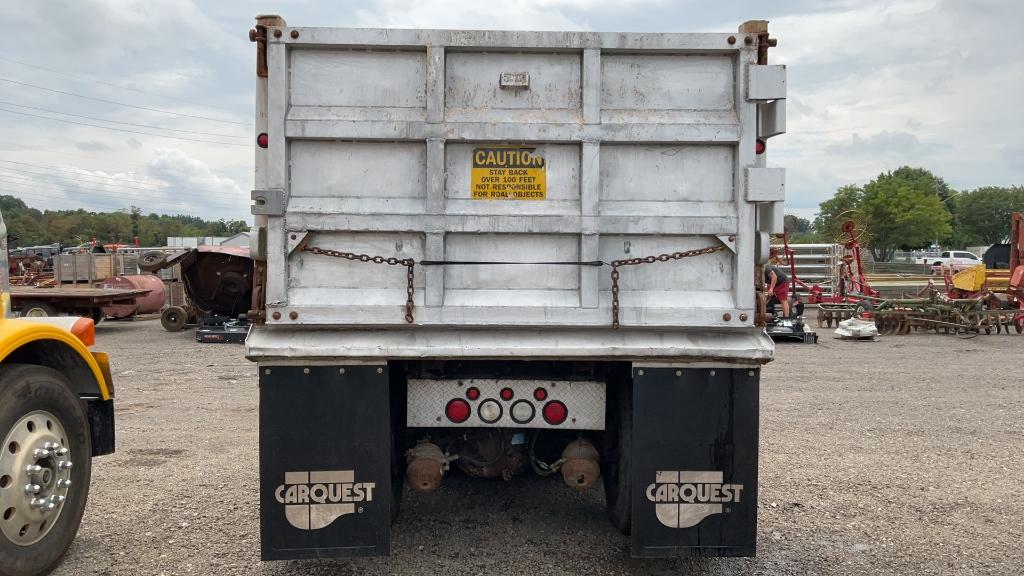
35	477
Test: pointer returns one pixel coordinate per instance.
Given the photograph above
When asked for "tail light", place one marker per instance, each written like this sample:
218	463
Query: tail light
522	412
489	411
457	410
263	140
759	148
555	412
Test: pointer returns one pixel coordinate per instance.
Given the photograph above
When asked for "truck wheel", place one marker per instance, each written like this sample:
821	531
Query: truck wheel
618	456
152	260
37	309
173	318
97	315
44	468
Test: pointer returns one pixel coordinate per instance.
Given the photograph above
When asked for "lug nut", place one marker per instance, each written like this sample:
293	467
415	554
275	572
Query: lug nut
51	445
33	469
41	453
37	503
32	488
63	483
61	452
56	498
50	506
64	464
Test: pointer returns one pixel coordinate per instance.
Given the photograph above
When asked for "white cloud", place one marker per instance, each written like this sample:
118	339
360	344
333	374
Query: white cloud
873	84
507	15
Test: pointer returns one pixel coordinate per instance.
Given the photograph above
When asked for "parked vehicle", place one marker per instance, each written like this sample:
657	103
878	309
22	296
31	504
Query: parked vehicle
505	252
56	414
956	261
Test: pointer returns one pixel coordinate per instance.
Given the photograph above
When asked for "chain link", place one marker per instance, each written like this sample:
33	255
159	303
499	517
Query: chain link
615	264
409	264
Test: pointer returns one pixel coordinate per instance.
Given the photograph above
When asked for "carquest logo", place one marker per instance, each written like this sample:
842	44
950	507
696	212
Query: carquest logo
315	499
682	499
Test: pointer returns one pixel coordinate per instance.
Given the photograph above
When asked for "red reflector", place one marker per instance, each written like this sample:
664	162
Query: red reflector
457	410
761	146
473	393
555	412
506	394
263	140
540	394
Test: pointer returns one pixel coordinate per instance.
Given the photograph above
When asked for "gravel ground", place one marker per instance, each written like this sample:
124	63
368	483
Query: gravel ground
895	457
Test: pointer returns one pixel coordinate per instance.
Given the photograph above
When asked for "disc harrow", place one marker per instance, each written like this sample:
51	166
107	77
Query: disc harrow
984	314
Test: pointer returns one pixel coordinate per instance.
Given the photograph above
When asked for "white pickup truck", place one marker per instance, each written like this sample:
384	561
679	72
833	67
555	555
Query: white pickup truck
957	260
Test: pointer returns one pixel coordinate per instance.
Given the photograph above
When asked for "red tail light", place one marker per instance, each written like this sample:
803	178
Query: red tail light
263	140
761	146
555	412
506	394
473	393
540	394
457	410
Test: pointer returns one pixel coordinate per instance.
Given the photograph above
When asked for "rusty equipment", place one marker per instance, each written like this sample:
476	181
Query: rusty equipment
217	280
851	294
426	465
580	468
975	300
936	311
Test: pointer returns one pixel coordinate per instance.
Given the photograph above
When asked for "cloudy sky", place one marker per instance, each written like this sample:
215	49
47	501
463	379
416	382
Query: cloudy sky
873	85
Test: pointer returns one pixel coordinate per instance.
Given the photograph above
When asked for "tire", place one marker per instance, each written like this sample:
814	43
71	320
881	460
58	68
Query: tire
152	260
618	456
97	315
42	396
173	318
37	309
862	307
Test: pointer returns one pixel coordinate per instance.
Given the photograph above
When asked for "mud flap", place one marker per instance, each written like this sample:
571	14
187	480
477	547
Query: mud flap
694	483
325	461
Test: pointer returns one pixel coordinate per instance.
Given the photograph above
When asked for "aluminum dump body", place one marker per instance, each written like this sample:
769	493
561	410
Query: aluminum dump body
513	169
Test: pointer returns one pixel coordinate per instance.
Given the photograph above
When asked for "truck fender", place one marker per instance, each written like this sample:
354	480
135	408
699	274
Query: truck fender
26	341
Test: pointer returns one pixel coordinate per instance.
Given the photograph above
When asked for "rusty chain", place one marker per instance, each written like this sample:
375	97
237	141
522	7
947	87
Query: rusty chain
649	260
409	264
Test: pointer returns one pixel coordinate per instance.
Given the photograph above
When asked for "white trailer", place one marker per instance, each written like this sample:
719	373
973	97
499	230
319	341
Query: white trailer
509	251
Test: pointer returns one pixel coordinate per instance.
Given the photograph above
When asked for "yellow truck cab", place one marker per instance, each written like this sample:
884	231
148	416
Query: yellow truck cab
56	413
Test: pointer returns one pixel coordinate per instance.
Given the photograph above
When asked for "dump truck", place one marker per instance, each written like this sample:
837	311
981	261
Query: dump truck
56	414
497	253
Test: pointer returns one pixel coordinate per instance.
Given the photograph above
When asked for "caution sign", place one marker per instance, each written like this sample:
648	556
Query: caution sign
512	173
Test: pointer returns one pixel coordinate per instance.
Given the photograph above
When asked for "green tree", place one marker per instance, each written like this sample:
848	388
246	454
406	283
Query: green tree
73	227
832	213
901	216
983	215
796	225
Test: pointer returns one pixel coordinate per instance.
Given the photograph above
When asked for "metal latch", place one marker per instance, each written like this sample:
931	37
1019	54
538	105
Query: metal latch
268	202
515	80
259	36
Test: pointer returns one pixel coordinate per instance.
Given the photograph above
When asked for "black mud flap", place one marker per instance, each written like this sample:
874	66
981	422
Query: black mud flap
325	461
101	425
694	461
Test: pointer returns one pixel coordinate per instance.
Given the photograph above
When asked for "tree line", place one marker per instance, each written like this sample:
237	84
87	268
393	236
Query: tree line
32	227
909	209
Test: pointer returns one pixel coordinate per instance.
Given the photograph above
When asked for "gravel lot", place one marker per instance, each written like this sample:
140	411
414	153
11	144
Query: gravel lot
901	456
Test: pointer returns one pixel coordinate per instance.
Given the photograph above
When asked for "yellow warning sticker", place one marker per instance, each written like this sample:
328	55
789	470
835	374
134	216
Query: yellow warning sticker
508	173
